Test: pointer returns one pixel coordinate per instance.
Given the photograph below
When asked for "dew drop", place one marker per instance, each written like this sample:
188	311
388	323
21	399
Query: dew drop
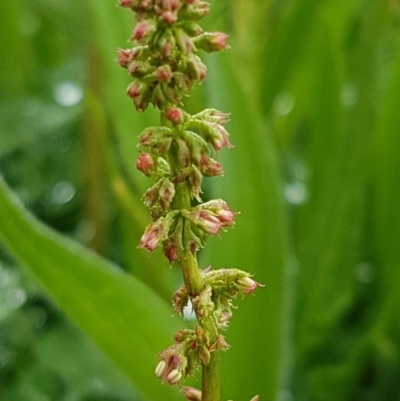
188	313
62	193
283	103
67	93
15	298
295	193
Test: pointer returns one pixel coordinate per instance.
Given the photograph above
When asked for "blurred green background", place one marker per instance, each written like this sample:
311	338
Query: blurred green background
313	88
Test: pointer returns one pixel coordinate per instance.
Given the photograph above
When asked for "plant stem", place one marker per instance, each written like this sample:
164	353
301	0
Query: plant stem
210	382
191	277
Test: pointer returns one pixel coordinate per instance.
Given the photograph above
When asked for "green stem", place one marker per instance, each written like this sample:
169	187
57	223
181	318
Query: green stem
191	277
210	382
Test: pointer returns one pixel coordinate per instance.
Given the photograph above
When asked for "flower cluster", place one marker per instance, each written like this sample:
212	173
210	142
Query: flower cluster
164	65
163	61
220	288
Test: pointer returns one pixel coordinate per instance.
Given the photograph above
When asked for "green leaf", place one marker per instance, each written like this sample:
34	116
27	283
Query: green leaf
129	322
258	243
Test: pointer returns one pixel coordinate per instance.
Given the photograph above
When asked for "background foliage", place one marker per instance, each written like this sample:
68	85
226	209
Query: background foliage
313	89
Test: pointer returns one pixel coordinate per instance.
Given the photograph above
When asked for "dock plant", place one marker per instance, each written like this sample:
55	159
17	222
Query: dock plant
164	64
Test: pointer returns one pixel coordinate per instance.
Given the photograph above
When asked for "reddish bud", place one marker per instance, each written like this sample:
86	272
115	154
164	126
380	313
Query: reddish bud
169	17
246	285
154	234
124	56
180	299
218	41
150	197
171	251
137	91
211	41
163	73
175	115
145	164
152	136
191	393
204	219
195	68
143	30
219	137
127	3
138	68
167	193
212	168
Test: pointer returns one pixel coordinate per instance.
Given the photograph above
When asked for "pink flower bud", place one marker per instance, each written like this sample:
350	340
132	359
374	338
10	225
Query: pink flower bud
255	398
225	216
145	164
124	56
204	219
211	41
219	137
163	73
191	393
169	17
246	285
195	68
220	210
150	197
218	40
212	168
137	91
143	30
171	250
175	115
180	299
139	69
127	3
154	234
167	193
152	136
